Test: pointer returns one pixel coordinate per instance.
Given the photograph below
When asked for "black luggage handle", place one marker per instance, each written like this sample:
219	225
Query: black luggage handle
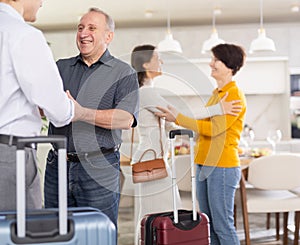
173	133
60	142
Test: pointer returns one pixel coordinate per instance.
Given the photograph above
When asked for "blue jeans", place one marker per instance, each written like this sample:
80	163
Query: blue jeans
215	193
93	182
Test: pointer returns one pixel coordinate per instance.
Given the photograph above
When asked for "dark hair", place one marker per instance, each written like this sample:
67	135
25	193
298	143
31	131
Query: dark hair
231	55
139	56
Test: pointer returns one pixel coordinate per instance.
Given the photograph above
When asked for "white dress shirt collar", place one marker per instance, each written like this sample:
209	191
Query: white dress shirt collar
10	10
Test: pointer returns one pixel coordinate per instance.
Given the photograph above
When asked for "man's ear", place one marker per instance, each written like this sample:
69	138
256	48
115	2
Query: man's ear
109	36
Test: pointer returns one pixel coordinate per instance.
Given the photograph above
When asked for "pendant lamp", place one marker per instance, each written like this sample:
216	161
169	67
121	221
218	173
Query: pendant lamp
169	44
214	38
262	42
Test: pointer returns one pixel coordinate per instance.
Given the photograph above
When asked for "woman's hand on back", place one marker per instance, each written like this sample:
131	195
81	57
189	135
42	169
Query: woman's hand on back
232	107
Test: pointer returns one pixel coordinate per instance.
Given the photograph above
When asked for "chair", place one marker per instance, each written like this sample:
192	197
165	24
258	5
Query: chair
272	177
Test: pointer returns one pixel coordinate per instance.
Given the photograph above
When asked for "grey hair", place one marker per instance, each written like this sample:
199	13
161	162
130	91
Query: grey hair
109	21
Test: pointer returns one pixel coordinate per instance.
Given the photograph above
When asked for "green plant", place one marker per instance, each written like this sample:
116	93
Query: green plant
45	126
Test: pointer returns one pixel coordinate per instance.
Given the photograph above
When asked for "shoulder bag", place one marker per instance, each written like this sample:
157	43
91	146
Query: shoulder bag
144	171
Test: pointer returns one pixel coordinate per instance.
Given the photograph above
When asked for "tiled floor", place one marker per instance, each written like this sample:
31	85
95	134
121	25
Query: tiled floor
126	226
259	234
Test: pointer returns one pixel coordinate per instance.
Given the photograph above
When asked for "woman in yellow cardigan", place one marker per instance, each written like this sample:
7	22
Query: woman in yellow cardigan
216	151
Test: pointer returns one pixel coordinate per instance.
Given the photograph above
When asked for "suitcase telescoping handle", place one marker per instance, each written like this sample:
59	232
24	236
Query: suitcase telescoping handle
172	135
60	143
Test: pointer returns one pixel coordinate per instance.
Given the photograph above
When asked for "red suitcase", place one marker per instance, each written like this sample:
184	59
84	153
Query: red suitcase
183	227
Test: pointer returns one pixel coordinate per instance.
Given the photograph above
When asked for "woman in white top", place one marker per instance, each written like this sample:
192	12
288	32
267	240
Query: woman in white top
156	196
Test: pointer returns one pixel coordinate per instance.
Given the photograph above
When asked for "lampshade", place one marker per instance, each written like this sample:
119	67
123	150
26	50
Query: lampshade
212	41
169	44
262	43
214	37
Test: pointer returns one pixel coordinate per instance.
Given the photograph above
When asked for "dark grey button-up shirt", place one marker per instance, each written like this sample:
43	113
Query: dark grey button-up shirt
107	84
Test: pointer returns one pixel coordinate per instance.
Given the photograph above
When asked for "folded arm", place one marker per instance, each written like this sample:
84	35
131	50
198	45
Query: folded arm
110	118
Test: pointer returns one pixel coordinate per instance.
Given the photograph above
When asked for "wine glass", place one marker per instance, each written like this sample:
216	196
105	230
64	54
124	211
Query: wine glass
247	139
274	136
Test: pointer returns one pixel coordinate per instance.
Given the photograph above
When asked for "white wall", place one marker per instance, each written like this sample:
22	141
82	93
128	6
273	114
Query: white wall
263	110
286	37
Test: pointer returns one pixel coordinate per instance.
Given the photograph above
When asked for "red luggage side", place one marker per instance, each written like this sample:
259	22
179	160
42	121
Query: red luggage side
165	232
183	227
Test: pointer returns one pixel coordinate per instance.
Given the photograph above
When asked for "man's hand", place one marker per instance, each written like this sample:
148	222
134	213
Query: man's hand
79	110
110	118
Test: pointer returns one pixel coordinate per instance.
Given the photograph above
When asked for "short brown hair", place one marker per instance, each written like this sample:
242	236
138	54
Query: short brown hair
231	55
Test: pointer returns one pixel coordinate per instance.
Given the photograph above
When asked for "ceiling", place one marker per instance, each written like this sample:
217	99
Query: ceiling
62	14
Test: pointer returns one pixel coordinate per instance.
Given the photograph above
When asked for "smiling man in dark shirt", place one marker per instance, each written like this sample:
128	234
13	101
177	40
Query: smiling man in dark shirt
107	89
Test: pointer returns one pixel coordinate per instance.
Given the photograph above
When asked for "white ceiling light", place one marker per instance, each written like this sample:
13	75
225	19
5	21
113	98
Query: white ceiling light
262	42
295	8
169	44
214	38
148	14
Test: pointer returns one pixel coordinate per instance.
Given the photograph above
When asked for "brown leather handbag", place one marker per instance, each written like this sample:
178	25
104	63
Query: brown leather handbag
144	171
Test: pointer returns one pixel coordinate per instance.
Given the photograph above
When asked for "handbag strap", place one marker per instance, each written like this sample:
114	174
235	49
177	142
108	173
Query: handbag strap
131	146
160	140
146	152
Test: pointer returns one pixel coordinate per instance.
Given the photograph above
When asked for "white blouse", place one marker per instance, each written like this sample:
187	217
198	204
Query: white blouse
156	196
148	126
